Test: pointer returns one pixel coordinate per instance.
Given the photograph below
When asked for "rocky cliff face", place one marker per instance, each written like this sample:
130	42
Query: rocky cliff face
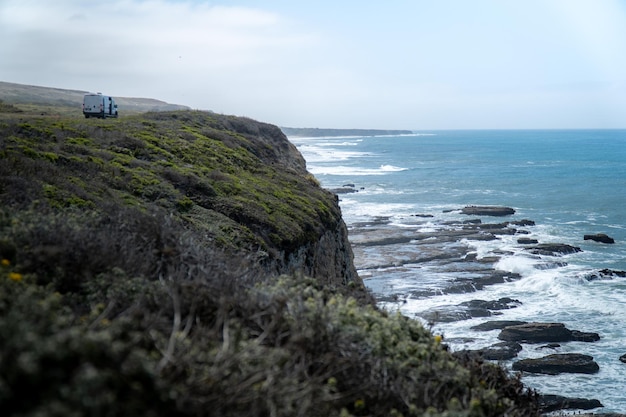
329	259
326	254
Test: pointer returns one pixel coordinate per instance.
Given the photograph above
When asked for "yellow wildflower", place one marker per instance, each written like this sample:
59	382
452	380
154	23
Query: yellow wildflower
5	262
15	276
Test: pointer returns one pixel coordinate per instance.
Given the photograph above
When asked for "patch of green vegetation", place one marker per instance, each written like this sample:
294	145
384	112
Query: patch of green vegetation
9	108
50	156
79	141
30	152
194	156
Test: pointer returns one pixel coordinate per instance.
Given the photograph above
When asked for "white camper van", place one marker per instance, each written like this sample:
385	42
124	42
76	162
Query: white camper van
97	105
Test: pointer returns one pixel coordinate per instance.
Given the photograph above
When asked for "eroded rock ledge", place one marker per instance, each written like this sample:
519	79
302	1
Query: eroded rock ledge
488	211
558	363
545	333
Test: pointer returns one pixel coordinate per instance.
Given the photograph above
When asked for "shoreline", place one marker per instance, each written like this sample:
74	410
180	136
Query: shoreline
425	259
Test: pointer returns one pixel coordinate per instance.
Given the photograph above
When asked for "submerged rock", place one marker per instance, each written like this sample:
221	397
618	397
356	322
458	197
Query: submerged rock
469	309
524	222
445	315
503	303
462	285
499	352
549	346
550	265
527	241
558	363
605	274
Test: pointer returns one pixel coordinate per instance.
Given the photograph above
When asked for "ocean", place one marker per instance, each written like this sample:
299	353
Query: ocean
401	198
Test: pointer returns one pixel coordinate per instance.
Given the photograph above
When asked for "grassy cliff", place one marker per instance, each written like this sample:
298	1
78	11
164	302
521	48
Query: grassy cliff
185	263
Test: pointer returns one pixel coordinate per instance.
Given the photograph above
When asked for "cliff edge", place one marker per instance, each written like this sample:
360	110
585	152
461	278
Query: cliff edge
237	185
186	264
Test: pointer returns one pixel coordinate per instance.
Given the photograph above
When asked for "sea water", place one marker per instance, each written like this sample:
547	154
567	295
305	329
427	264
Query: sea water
569	182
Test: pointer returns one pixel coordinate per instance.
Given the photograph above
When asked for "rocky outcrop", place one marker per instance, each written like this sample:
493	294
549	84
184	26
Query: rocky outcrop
549	403
545	333
503	303
523	222
553	249
487	211
461	285
329	259
599	237
527	241
500	351
343	190
605	274
496	325
558	363
469	309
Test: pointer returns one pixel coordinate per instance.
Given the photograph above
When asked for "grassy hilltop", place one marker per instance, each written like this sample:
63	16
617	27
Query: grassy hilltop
177	264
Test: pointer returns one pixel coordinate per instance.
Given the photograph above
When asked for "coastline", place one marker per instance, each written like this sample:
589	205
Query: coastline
424	259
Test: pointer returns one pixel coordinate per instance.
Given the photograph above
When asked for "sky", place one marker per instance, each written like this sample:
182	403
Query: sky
397	64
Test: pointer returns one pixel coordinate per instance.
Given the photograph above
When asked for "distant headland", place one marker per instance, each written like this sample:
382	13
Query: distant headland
314	132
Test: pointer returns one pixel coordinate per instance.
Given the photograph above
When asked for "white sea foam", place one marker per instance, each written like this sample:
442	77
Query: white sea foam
391	168
523	265
357	209
352	143
343	170
317	154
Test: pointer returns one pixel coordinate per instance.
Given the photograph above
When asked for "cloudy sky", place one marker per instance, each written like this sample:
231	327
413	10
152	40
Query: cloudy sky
406	64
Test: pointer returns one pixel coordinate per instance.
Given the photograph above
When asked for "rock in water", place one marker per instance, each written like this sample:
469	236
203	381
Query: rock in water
501	351
496	325
553	249
545	333
549	403
558	363
527	241
487	211
600	237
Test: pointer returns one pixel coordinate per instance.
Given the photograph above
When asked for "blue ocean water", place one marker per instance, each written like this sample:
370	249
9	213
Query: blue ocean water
570	182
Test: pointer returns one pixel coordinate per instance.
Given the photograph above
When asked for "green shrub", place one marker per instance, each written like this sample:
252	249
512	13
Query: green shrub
53	366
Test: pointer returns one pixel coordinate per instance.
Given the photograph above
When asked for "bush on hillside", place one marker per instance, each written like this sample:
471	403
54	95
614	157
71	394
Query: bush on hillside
209	346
